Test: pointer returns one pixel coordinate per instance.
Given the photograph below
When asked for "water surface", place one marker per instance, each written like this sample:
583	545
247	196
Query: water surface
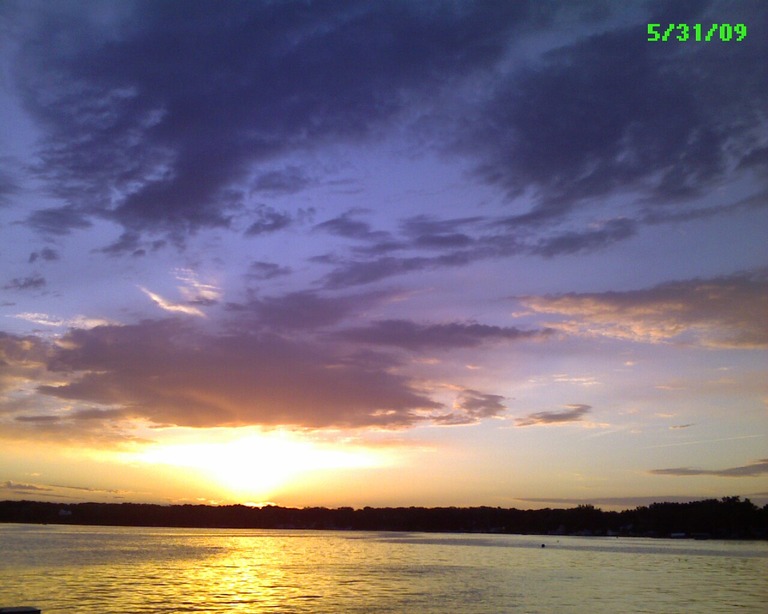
76	569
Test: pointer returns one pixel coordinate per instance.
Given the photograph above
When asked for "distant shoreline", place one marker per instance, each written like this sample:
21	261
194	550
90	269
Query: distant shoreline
726	518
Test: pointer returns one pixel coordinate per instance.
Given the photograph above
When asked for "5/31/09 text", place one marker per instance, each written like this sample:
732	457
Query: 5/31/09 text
697	32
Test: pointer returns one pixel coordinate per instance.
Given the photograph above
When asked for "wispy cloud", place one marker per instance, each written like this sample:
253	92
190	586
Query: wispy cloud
196	291
703	441
261	270
34	282
19	487
573	413
348	226
753	469
46	490
416	336
46	319
288	180
167	305
39	418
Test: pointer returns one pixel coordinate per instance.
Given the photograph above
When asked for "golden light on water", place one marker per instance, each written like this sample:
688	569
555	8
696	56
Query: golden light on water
256	464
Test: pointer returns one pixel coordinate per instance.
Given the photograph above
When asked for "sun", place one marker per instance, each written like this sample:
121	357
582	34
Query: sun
256	464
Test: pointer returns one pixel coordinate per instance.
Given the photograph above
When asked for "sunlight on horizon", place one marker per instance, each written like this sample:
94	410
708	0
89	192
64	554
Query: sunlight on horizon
256	464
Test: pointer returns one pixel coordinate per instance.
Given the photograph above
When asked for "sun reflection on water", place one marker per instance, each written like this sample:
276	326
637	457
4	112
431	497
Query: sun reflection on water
146	570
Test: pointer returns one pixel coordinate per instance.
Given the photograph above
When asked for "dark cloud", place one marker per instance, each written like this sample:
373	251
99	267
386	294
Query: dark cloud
611	112
266	270
726	311
289	180
47	254
429	232
20	487
413	336
349	273
421	225
574	413
305	310
451	248
355	273
161	112
41	490
169	373
590	240
168	121
268	220
127	242
8	185
86	488
481	405
346	226
35	282
757	158
421	232
754	469
650	215
455	239
130	242
59	220
39	418
500	238
378	248
471	407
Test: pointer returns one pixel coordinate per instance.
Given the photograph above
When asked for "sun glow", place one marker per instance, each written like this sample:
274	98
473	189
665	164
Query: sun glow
258	464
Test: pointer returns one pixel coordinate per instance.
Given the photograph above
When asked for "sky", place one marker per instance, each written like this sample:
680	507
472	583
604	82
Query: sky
334	253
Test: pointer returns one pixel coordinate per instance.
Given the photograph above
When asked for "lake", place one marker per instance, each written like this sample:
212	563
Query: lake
111	570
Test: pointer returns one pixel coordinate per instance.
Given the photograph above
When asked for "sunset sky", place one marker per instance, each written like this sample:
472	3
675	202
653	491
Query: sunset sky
338	253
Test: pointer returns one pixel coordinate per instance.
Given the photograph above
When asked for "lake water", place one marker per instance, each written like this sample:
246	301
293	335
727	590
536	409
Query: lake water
111	570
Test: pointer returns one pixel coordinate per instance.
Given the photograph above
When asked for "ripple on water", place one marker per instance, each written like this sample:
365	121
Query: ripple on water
134	571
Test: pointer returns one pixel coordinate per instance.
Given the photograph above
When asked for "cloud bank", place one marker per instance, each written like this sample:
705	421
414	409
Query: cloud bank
720	312
173	372
168	373
141	127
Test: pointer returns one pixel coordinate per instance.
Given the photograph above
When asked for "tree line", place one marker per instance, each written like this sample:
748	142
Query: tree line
726	518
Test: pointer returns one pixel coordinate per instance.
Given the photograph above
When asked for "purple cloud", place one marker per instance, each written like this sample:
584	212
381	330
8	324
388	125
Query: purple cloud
414	336
574	413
